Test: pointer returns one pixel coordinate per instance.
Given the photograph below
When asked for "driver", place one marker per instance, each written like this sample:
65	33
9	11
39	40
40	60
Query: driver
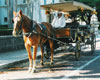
59	20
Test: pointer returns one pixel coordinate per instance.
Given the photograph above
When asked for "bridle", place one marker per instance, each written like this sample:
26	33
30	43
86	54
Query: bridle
20	27
32	29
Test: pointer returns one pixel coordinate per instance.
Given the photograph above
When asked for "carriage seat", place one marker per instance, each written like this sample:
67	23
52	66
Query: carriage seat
72	25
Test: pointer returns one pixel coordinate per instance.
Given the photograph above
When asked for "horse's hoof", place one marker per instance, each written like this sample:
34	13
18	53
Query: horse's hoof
30	69
33	71
42	63
51	64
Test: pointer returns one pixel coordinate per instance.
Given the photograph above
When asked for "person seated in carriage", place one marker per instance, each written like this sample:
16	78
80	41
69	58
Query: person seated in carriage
71	22
68	18
83	17
59	20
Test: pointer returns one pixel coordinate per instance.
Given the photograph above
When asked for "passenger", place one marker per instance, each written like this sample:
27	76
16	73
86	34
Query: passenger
68	19
59	21
80	20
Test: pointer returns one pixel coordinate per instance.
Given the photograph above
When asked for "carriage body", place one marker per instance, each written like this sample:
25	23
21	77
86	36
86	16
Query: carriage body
72	33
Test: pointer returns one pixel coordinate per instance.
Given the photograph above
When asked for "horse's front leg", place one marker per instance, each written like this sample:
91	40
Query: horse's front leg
34	58
28	48
42	51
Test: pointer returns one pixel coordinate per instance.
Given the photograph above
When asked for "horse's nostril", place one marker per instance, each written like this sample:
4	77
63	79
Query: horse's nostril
14	34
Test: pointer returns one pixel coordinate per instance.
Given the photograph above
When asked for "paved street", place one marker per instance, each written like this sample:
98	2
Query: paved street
8	58
65	67
74	25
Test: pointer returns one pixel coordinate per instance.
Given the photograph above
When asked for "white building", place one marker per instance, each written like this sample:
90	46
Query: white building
3	12
30	7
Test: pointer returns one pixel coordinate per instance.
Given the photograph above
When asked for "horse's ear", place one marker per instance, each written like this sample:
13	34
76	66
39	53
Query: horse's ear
20	12
14	13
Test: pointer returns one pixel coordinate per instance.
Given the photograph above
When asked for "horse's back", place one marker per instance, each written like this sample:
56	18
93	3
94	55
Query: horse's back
48	27
62	32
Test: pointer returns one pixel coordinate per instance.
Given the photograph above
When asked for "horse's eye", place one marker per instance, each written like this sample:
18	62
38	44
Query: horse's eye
12	21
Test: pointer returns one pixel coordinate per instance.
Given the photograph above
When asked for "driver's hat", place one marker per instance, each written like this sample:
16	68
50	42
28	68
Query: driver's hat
59	12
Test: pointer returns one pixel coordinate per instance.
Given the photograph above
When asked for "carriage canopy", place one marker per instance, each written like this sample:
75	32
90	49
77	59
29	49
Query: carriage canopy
67	6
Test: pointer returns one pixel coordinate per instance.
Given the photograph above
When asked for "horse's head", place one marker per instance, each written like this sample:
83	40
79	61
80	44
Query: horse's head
18	21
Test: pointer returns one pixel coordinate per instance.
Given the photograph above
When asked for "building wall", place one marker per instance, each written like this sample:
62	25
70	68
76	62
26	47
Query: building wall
3	12
22	5
44	2
29	7
10	43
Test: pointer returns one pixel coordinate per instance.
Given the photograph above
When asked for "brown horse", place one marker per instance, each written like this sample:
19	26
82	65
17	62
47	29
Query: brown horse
32	37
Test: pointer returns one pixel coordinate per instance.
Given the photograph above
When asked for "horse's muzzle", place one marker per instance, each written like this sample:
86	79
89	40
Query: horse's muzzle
16	33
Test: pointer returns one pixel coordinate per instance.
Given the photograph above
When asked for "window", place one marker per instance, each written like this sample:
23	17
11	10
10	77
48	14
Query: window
44	2
24	1
6	1
5	19
53	1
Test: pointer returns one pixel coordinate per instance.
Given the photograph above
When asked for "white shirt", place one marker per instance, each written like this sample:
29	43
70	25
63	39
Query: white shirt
58	22
82	22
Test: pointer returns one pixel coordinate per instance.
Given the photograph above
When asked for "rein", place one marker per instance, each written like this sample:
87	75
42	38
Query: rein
28	34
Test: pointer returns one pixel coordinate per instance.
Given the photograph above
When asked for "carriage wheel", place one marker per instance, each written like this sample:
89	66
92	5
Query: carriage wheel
77	51
93	43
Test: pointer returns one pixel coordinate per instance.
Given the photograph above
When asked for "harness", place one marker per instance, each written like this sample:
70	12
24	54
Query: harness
42	27
34	30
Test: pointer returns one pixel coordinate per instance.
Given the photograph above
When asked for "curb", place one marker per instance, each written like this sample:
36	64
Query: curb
8	65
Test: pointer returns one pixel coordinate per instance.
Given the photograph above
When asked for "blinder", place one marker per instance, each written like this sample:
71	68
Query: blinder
20	27
18	30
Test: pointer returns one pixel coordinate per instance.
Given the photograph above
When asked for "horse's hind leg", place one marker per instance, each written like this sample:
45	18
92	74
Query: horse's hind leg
42	51
34	58
52	51
28	48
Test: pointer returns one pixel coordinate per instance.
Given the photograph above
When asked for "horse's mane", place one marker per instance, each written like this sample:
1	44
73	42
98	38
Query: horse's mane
27	20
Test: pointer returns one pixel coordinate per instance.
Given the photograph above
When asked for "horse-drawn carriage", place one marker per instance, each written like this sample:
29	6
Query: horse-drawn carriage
80	35
34	34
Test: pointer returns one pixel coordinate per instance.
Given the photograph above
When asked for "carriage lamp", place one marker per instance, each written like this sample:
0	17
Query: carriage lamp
94	21
81	9
94	12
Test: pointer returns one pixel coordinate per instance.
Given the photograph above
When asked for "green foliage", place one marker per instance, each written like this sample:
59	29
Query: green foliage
92	3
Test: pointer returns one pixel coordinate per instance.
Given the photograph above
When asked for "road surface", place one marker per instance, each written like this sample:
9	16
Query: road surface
65	67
